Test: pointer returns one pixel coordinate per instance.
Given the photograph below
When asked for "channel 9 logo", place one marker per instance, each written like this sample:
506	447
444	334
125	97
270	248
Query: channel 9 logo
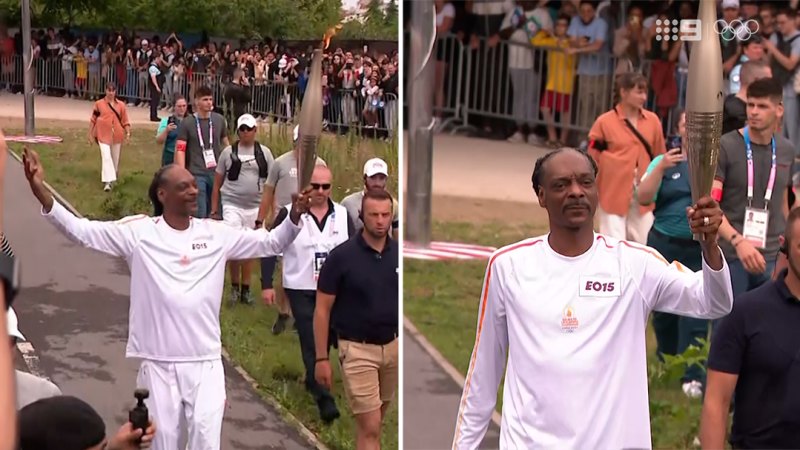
690	29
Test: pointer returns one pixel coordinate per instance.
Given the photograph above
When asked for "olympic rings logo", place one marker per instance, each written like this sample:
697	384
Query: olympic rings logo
737	29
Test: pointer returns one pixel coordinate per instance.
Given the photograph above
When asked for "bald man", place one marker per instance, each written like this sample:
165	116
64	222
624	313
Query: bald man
327	225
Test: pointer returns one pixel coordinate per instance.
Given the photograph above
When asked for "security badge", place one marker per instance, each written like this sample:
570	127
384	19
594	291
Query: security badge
319	261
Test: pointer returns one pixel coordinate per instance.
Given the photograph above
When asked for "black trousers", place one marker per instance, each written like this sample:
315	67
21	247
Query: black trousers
302	304
155	101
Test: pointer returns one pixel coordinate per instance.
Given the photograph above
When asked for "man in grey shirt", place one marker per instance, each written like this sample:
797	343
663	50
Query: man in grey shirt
30	388
239	178
199	153
281	184
751	263
376	173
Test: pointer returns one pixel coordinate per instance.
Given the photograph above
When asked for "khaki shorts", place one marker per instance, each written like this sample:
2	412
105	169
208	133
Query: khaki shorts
369	374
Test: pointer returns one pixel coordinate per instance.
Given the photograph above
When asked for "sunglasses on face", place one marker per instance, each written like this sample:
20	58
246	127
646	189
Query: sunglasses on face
318	186
246	128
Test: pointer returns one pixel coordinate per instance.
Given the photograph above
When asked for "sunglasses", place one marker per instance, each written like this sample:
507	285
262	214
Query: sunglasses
246	128
317	186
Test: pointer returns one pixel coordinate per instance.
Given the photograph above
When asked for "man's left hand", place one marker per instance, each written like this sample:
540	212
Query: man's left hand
705	218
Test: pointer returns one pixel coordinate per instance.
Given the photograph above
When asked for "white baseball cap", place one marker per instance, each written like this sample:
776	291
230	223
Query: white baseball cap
13	325
247	120
144	42
726	4
375	166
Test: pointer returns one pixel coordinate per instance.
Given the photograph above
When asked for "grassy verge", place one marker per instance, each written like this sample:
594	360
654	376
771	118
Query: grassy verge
73	168
441	298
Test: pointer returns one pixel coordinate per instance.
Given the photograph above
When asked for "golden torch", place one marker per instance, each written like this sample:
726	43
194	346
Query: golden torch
310	126
704	100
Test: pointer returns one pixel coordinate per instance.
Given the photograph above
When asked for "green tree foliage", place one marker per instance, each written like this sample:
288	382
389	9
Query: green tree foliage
245	19
380	21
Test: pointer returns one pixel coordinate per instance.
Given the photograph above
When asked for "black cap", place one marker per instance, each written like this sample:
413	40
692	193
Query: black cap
60	423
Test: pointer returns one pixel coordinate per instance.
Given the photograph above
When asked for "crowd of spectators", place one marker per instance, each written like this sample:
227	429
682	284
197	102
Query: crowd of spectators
266	78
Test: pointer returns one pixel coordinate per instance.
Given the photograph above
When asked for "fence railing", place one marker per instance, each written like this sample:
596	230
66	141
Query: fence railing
534	85
343	109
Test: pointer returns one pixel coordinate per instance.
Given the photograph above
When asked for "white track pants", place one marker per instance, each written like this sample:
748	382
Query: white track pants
633	227
193	390
109	158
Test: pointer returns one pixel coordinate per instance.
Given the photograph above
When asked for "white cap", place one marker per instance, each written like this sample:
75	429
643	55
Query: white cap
296	133
282	63
375	166
144	42
247	120
726	4
13	325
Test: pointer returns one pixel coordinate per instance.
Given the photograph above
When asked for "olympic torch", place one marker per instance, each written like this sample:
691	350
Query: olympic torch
310	127
704	101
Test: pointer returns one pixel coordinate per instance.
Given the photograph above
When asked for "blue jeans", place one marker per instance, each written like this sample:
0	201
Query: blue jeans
674	334
205	184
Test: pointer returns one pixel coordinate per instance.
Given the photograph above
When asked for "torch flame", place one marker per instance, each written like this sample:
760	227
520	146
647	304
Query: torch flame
326	39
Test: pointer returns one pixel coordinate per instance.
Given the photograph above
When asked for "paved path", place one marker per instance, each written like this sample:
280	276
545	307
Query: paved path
74	309
473	168
57	108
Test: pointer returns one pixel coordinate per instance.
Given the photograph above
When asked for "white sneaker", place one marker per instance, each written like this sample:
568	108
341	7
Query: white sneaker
693	389
517	138
107	187
533	139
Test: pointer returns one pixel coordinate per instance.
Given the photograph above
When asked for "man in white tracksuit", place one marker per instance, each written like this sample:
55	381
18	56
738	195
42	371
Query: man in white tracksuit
325	227
177	266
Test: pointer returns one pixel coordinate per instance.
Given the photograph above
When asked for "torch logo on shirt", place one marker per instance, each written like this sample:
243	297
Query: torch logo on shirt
569	322
184	261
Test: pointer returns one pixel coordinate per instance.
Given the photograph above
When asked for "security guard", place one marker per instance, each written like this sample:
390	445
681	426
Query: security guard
326	226
359	286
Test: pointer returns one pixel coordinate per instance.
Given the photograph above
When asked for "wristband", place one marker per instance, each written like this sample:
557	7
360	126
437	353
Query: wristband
180	146
716	194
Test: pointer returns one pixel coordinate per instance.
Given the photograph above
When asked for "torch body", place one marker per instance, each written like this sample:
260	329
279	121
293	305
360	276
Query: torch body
704	104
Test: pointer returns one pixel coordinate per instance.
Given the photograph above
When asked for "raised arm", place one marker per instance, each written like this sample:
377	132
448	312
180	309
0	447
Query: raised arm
113	238
486	366
673	288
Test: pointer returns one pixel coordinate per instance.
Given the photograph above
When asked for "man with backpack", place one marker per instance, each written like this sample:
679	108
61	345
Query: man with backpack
784	50
238	183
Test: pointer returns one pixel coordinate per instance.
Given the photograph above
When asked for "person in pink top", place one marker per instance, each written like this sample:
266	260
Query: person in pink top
109	127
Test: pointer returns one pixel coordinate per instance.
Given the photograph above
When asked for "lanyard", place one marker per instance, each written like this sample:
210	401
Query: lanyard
771	182
330	221
210	133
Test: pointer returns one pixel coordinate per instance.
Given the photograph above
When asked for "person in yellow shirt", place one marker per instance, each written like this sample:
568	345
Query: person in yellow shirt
81	73
560	79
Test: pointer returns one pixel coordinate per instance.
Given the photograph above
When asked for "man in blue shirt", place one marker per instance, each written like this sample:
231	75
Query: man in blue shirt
588	38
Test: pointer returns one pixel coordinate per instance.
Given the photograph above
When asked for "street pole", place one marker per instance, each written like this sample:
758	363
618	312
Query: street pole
27	63
420	130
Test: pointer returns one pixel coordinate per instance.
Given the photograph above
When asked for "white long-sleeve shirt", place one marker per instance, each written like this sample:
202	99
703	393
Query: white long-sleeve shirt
177	277
574	329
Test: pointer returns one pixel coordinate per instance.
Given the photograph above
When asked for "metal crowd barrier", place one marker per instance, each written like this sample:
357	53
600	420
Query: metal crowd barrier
508	81
344	109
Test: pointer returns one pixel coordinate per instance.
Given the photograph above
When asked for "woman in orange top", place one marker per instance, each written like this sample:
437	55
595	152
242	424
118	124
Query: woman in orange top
622	157
109	127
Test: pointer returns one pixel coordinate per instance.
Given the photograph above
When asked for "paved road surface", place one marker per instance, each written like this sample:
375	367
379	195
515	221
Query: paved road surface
473	168
74	310
431	401
57	108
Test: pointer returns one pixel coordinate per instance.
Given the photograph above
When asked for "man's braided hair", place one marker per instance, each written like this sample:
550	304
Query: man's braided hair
158	181
538	170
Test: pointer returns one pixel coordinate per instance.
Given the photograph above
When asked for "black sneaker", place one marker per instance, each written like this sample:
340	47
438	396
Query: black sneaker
280	324
327	410
245	296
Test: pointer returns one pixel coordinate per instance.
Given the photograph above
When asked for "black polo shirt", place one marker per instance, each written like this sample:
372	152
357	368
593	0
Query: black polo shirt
760	341
365	283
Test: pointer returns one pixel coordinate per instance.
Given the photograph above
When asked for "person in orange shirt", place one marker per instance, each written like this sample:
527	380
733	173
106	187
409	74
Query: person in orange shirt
623	142
109	127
